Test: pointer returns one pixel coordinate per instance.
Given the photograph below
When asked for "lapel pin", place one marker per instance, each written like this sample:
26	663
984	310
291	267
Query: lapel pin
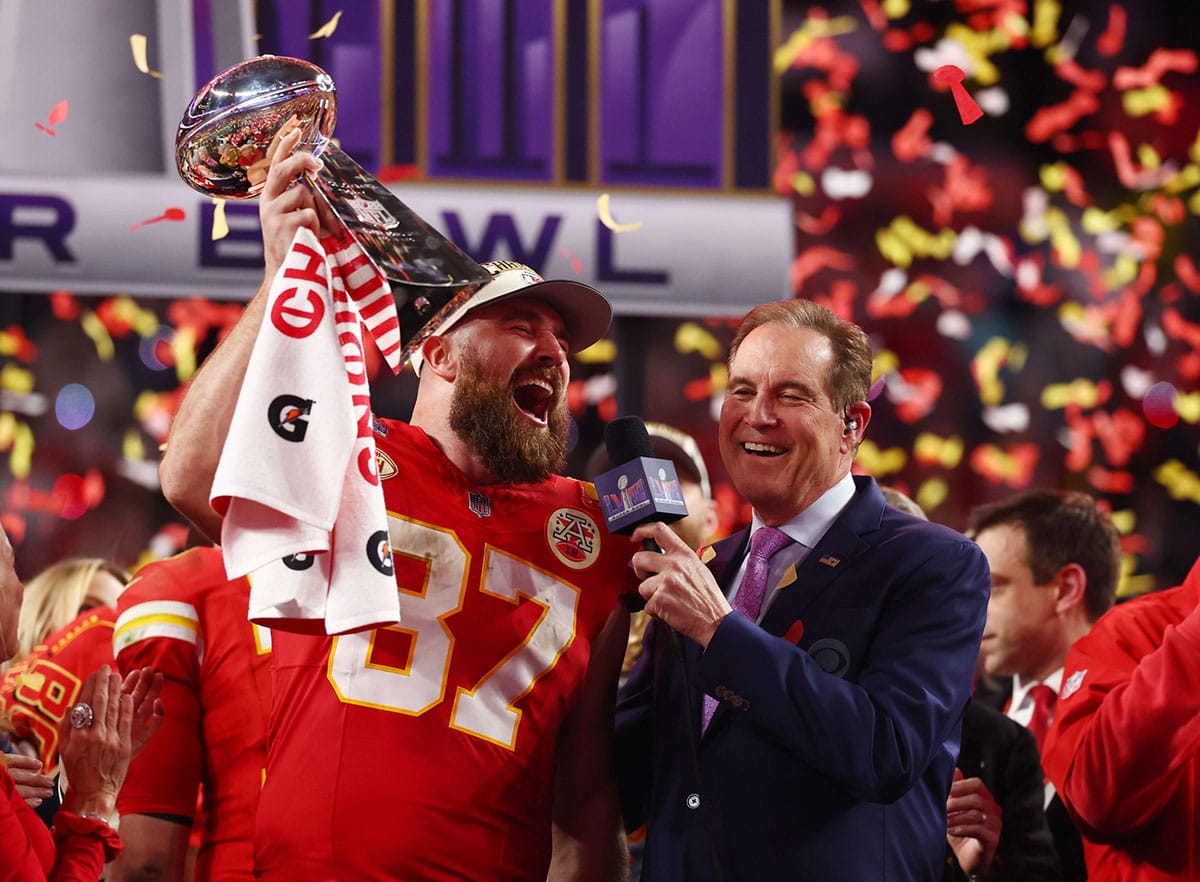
830	561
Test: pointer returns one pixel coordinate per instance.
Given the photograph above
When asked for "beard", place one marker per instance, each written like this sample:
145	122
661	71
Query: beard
483	413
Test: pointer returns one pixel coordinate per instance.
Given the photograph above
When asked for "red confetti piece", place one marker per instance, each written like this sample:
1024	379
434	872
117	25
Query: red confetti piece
1109	481
576	263
1013	466
911	141
812	260
916	393
171	214
1185	271
1110	42
818	226
1049	121
1161	61
58	113
1070	71
874	14
64	305
952	76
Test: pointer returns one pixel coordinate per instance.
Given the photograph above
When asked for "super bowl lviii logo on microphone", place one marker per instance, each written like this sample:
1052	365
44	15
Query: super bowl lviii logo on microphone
288	416
641	490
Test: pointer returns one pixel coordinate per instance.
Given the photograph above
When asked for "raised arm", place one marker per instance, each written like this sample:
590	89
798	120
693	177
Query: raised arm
202	422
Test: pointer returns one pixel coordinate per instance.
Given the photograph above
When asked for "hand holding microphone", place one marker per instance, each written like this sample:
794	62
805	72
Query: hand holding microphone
641	496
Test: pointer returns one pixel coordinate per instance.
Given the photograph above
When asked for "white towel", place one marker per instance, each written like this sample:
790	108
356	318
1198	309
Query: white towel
297	481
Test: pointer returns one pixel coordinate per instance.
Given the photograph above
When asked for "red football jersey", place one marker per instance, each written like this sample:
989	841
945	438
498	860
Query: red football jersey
426	750
40	688
181	616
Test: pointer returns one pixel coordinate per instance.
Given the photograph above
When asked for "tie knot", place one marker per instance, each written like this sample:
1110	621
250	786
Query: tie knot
1042	696
766	541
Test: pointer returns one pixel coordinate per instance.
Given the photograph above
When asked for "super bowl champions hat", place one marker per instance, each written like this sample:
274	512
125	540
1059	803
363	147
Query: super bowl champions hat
584	310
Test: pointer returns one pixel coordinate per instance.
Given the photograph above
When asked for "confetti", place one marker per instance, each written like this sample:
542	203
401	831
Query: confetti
171	214
58	114
137	43
952	76
576	263
606	217
327	29
220	226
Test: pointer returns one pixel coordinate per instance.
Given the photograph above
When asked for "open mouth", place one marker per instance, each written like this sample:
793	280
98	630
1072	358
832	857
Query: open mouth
766	450
534	397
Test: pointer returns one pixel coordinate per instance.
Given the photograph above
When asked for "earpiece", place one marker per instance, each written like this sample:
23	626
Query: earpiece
851	425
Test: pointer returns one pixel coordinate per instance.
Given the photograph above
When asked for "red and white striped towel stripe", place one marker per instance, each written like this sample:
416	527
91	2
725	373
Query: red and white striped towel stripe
371	294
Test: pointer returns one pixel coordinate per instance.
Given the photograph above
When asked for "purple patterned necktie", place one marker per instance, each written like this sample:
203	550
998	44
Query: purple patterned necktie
749	598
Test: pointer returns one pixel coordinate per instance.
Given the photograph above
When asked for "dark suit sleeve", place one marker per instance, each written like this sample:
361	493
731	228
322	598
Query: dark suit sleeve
876	730
1026	852
634	744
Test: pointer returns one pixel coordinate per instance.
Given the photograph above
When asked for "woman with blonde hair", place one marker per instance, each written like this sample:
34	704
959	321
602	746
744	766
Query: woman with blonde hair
59	593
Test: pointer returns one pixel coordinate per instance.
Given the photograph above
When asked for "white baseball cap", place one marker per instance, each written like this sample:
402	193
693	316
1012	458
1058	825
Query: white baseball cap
586	313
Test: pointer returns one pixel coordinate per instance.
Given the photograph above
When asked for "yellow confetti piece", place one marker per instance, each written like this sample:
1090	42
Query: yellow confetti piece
987	363
220	226
884	363
1193	203
137	43
94	328
1079	391
8	429
880	463
1053	176
1141	102
603	351
718	377
327	29
1123	271
895	9
16	379
1181	482
141	320
801	38
1186	178
979	45
1046	14
132	446
1124	520
946	452
20	461
1096	221
1149	157
1133	586
1187	405
183	347
803	183
691	337
1062	240
902	241
606	217
932	493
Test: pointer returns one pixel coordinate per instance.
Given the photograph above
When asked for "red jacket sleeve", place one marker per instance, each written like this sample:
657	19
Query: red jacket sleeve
1127	726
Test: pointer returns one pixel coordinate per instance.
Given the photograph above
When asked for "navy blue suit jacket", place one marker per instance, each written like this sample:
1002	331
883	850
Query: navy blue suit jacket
831	754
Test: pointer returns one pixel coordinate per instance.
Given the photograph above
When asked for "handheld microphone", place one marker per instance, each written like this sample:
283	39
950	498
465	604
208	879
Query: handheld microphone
641	488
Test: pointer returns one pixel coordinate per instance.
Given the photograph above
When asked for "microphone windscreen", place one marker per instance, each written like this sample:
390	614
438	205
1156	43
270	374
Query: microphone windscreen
626	439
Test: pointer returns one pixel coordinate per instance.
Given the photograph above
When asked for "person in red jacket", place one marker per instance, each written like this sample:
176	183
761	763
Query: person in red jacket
110	722
1124	750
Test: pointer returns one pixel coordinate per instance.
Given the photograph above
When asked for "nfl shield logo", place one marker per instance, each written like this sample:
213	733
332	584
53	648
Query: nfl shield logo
479	504
373	213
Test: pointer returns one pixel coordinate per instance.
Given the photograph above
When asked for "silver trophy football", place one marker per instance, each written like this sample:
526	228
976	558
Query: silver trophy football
224	146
